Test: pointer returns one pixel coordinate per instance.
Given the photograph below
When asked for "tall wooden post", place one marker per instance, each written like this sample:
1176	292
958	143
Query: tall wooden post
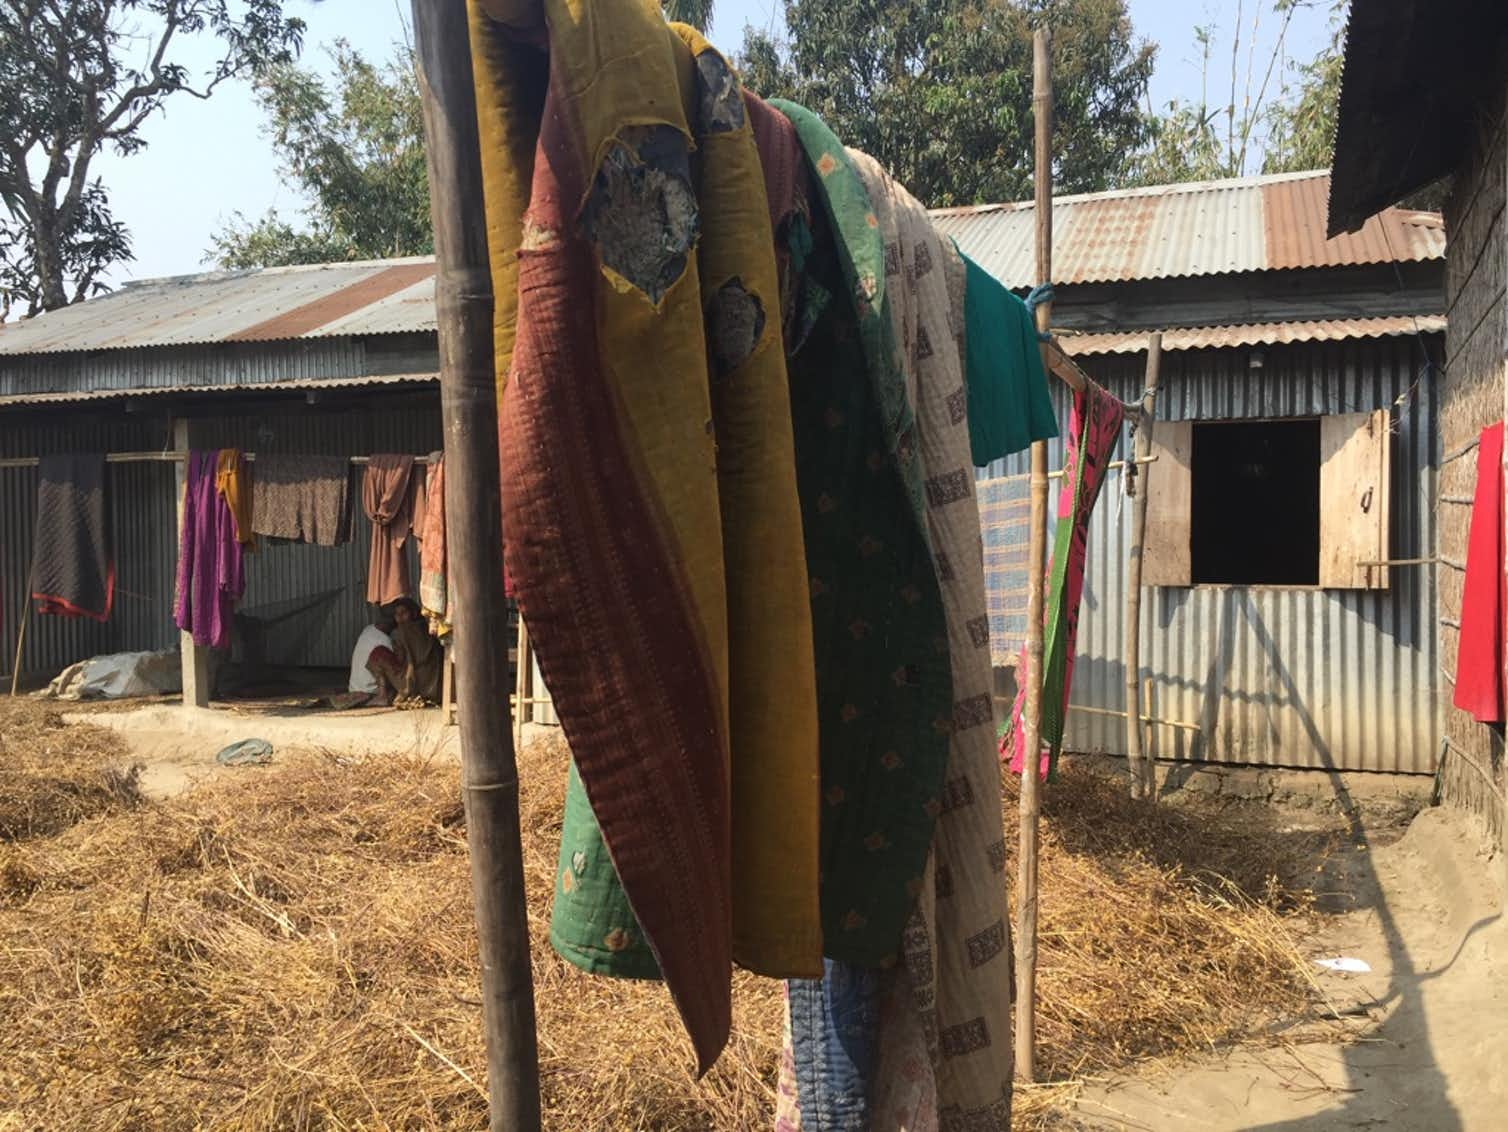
1143	770
1036	563
473	518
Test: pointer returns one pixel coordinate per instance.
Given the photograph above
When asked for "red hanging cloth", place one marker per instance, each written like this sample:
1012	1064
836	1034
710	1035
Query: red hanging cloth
1479	661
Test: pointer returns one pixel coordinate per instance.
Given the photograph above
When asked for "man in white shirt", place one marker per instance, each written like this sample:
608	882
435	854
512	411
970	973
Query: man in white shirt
372	638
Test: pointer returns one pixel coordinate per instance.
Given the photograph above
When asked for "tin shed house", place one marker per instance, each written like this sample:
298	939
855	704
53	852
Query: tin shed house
1289	614
1393	139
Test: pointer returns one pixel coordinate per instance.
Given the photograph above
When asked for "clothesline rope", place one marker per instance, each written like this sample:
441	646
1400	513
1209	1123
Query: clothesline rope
158	457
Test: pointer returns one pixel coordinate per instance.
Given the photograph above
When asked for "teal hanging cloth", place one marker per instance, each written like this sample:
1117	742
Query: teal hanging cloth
1009	406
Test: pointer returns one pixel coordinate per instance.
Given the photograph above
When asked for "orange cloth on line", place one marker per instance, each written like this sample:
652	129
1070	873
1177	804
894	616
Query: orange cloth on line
233	482
388	498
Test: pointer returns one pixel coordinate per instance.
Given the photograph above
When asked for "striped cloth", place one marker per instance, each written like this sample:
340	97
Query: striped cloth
1005	523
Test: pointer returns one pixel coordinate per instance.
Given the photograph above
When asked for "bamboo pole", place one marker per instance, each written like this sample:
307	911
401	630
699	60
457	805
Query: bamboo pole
1031	723
15	671
1143	774
473	517
520	681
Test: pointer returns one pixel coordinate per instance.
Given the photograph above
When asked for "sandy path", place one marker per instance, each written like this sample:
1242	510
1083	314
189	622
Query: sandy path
1425	914
177	745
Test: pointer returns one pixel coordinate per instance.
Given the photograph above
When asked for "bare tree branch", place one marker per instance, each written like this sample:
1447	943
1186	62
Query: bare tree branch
76	80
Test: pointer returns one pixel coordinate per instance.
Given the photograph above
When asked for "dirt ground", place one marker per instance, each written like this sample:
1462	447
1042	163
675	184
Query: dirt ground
1424	1044
1417	1043
176	745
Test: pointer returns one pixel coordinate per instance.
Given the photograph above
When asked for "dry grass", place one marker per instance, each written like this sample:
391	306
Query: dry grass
1164	930
291	947
52	775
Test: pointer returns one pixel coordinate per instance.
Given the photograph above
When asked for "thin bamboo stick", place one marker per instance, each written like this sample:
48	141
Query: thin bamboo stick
522	664
15	670
1143	776
1060	365
1146	699
1460	752
473	516
1148	720
1031	797
1469	446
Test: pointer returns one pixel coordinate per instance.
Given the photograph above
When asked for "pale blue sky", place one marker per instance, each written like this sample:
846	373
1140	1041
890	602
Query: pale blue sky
207	160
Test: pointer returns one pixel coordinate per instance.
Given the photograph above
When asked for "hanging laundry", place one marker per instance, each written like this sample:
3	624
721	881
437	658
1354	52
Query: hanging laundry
303	498
772	706
834	1027
946	1012
210	579
666	621
787	1103
233	483
884	679
388	499
1009	405
72	569
957	946
591	923
784	169
435	593
1479	656
1094	429
1005	524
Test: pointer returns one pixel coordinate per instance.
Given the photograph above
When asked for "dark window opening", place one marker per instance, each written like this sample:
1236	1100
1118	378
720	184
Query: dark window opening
1256	503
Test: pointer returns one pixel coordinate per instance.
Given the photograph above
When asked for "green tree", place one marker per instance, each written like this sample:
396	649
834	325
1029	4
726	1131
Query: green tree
77	76
939	91
1302	124
355	150
1276	116
356	153
697	13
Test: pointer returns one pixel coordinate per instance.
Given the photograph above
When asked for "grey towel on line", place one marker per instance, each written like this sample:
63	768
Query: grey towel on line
72	573
304	498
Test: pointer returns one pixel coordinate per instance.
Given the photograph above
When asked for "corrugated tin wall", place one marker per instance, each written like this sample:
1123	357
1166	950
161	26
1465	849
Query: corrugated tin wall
142	504
167	367
1278	677
144	520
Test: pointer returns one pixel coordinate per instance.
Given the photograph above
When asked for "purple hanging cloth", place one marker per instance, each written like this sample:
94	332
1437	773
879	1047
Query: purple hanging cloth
210	579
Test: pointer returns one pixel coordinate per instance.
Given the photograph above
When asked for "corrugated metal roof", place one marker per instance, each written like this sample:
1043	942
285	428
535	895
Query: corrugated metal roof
1255	334
315	301
1206	228
1265	223
70	396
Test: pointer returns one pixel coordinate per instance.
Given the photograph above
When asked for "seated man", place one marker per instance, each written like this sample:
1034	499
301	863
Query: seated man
410	671
375	644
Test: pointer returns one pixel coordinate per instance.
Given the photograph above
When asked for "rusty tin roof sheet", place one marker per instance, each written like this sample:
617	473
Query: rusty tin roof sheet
1255	334
1267	223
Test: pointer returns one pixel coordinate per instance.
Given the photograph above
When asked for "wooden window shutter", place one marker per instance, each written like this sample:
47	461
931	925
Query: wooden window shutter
1166	557
1354	492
